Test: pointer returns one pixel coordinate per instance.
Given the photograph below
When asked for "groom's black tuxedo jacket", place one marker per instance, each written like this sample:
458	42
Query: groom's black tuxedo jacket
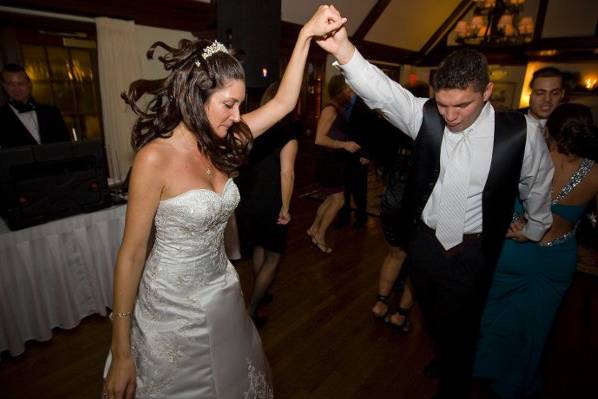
13	133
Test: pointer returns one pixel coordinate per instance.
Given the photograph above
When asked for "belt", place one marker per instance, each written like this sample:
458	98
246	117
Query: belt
474	238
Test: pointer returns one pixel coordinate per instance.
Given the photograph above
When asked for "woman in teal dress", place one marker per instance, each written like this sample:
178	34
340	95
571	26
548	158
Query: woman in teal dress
532	278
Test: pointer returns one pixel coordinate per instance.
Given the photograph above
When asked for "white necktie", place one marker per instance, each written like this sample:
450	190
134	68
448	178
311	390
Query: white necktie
451	216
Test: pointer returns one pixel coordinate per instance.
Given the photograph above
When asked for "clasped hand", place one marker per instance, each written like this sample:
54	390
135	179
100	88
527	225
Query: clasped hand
515	231
325	22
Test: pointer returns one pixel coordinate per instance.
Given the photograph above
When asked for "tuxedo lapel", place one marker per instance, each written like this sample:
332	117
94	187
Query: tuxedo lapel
14	132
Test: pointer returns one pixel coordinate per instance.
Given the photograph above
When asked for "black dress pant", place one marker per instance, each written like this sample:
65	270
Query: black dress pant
451	288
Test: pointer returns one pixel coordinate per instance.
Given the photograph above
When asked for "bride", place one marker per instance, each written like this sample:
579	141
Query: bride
180	329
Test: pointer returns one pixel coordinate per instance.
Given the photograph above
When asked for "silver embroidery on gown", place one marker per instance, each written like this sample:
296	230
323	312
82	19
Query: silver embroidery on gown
191	336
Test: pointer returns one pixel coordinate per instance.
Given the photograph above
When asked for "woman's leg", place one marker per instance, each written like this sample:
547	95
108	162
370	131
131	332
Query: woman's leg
315	226
336	203
263	279
258	260
391	267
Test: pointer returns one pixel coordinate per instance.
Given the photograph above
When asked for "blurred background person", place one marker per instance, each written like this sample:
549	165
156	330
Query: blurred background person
547	93
332	135
390	208
266	186
25	121
361	120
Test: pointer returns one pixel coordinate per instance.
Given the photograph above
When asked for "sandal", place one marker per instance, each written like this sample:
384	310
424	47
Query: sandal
321	246
405	326
382	299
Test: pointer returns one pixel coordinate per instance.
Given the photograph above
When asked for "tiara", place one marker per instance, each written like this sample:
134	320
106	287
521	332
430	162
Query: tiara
212	49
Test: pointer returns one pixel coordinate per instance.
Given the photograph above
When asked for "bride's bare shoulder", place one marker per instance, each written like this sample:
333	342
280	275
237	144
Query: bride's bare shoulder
155	154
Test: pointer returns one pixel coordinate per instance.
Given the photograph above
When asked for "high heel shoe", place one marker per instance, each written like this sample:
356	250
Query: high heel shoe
382	299
402	328
321	246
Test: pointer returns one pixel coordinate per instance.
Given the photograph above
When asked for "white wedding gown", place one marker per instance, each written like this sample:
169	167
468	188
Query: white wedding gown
191	336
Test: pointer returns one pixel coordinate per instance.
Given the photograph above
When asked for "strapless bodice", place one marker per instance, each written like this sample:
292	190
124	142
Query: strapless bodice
190	230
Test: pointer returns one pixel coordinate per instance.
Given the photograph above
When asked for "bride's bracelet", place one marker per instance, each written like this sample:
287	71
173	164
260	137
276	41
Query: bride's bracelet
122	315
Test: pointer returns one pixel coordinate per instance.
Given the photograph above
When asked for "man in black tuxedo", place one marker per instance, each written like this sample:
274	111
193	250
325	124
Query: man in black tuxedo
23	120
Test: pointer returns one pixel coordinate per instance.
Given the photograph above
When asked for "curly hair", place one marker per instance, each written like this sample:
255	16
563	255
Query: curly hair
461	69
571	128
181	97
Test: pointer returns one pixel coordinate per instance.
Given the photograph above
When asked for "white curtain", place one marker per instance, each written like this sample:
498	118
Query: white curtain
119	66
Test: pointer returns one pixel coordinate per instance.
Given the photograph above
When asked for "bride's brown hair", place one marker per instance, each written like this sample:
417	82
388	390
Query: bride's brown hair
181	97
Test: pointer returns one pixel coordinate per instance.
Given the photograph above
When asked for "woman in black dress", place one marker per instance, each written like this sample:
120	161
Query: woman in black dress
266	185
331	134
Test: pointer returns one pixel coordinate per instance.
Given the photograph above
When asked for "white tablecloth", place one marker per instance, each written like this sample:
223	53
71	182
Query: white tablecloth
55	274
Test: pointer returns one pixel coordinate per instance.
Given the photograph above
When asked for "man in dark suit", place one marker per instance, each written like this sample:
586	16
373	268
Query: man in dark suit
23	120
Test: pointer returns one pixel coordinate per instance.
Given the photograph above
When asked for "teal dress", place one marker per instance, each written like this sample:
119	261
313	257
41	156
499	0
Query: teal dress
527	288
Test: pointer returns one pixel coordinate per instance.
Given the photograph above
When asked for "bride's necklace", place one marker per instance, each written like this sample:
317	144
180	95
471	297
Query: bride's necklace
207	167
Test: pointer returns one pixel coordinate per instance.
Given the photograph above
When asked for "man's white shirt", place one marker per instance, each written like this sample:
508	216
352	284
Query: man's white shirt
405	112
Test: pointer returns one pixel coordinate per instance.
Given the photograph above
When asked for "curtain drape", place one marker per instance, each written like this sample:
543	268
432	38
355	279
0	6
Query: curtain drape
118	67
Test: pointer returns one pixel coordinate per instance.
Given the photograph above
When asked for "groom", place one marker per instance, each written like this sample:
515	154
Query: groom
469	165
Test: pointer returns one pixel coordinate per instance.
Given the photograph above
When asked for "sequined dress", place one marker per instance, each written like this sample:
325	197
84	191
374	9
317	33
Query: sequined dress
191	336
527	288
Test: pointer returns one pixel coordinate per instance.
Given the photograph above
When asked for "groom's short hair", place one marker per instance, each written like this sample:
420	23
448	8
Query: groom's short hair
461	69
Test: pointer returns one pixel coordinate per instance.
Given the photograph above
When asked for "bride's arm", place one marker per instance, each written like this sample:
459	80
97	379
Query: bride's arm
325	20
144	196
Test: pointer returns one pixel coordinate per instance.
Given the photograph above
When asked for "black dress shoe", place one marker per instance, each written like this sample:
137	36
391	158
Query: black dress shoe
432	369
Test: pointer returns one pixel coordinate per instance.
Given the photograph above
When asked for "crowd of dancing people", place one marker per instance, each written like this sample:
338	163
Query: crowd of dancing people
479	213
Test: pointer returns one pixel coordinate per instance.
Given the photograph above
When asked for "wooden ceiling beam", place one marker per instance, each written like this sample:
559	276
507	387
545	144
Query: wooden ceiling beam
370	19
540	17
442	32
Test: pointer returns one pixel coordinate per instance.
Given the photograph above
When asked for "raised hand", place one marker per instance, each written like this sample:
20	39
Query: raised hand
336	42
326	20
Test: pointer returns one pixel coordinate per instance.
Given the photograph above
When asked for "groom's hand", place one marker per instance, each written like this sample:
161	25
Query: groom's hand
325	20
336	42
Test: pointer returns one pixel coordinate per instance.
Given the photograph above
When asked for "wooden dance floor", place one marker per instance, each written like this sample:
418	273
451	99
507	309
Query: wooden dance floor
320	339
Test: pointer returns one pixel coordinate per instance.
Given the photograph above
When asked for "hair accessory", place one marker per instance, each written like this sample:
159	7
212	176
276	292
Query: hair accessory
212	49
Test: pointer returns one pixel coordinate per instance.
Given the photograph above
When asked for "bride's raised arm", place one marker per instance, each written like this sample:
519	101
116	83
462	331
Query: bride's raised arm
325	20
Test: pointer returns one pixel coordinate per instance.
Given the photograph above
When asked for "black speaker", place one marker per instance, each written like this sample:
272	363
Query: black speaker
253	26
45	182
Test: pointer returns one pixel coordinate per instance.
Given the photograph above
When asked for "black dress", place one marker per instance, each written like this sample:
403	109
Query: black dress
332	163
261	198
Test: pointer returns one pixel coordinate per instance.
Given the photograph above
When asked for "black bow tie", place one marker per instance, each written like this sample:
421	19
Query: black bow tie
22	107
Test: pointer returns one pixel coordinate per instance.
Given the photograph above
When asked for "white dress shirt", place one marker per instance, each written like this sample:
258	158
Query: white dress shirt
405	112
539	123
29	120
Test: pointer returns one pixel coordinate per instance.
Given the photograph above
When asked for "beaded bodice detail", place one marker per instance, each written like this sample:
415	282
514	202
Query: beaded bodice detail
572	213
190	232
